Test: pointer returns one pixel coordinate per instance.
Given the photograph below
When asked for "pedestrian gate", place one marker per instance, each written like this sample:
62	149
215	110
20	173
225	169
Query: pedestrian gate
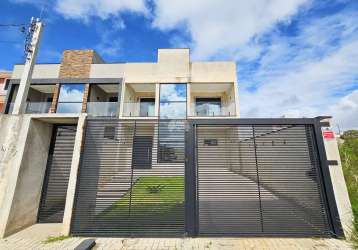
58	169
205	177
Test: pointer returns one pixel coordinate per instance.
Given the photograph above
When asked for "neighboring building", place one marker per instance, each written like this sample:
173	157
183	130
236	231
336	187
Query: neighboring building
159	149
4	76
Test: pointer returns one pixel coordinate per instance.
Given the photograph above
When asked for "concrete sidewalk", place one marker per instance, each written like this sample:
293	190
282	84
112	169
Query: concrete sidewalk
33	237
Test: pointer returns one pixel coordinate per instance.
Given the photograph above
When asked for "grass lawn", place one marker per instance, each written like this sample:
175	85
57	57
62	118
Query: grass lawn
349	154
155	201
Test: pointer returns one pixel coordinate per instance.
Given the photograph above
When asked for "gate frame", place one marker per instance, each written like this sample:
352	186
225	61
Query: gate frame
47	169
191	196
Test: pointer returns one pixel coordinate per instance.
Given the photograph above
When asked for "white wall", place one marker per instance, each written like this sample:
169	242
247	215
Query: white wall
115	70
41	71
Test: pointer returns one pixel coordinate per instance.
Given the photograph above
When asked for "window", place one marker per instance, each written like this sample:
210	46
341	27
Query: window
70	98
147	107
208	106
171	142
173	101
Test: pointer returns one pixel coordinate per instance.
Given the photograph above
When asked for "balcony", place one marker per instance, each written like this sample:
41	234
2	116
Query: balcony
102	108
103	100
38	107
32	107
139	100
212	110
141	108
212	100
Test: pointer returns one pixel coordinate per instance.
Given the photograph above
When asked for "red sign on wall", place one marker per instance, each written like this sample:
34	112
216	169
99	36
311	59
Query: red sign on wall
328	134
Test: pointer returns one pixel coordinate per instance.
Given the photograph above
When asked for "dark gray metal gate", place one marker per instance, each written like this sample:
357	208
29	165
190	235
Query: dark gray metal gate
242	177
260	177
58	168
118	192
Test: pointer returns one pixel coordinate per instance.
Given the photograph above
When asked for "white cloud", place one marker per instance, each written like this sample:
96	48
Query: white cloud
312	71
307	75
71	93
223	26
110	44
346	112
84	9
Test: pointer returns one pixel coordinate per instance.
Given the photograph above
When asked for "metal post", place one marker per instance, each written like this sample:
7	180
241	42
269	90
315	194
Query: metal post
35	31
191	220
258	177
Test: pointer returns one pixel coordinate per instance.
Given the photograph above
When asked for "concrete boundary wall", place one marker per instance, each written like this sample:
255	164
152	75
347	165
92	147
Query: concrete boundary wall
23	163
339	186
25	205
71	189
14	130
24	144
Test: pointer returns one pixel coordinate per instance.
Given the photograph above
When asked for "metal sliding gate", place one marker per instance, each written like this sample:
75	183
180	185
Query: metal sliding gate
126	186
241	177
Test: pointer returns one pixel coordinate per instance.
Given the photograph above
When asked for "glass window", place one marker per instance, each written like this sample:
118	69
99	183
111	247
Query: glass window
171	143
147	107
173	101
70	98
208	106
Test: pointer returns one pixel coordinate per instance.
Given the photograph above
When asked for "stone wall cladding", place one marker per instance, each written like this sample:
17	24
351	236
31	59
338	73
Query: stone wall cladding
85	98
54	99
76	63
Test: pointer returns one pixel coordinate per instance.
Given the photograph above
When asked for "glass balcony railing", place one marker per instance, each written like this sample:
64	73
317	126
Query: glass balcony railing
32	107
102	108
138	109
10	108
69	107
212	110
38	107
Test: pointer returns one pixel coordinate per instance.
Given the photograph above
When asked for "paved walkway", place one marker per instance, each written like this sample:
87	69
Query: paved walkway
33	237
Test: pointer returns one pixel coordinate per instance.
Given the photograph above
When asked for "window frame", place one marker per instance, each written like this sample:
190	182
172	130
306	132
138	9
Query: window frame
70	102
168	102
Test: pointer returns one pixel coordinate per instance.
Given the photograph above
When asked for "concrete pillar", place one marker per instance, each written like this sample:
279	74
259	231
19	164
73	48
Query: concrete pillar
157	99
122	99
20	101
189	105
75	165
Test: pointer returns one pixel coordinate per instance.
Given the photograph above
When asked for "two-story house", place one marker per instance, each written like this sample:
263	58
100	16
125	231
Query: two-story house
171	88
159	149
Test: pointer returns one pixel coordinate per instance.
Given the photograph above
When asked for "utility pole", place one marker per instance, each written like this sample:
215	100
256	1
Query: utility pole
31	49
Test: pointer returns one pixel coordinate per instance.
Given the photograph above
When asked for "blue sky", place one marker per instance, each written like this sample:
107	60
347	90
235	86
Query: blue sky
294	57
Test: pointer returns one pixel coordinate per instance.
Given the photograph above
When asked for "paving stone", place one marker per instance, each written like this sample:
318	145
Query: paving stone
33	237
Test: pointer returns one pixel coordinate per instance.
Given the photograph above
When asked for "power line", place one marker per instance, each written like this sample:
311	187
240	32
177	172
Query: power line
10	41
12	25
